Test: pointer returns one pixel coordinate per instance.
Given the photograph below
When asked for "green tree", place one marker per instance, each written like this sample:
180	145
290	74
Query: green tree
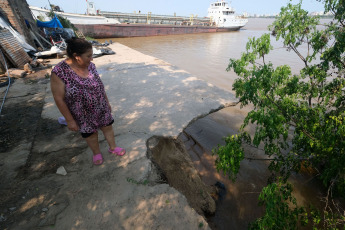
299	118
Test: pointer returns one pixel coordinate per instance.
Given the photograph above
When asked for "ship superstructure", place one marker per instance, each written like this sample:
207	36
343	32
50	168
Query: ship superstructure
223	16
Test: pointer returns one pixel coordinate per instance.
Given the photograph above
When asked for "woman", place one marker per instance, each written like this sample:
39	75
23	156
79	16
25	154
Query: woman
80	96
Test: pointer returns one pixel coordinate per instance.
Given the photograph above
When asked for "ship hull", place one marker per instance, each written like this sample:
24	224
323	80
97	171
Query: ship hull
145	30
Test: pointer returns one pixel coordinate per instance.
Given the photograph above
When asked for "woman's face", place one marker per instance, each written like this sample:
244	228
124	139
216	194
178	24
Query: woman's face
85	58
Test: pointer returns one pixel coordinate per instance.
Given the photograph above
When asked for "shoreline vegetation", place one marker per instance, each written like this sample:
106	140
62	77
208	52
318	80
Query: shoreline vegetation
299	118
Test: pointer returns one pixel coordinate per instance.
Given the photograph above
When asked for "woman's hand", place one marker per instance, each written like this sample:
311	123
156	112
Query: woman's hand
72	125
58	90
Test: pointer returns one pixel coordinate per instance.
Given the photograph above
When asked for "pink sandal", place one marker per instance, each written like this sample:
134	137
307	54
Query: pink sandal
118	151
97	159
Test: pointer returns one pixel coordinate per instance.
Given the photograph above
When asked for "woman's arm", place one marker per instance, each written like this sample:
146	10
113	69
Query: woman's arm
58	90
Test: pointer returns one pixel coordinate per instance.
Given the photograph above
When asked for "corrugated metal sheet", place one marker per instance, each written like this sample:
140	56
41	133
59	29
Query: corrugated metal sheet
12	49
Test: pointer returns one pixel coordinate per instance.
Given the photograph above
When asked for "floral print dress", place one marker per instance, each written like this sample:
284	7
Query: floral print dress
85	97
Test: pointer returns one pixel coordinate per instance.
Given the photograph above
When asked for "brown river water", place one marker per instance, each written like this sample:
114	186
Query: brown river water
207	56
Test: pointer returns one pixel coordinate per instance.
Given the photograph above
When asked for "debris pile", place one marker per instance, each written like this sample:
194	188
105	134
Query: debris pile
50	42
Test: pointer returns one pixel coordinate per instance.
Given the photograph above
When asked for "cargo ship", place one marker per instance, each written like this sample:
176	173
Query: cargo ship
221	17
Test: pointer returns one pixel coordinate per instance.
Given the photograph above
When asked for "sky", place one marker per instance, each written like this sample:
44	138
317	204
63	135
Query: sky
180	7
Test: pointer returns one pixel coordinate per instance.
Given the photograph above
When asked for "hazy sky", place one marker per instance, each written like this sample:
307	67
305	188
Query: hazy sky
180	7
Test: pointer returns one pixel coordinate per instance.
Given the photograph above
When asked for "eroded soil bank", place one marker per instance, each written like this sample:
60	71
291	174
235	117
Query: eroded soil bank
172	160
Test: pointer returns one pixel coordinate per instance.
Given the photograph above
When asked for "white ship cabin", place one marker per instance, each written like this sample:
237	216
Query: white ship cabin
223	15
91	9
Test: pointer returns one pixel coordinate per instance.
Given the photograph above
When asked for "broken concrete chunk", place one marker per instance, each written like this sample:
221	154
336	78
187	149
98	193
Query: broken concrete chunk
61	171
34	63
27	68
16	73
2	218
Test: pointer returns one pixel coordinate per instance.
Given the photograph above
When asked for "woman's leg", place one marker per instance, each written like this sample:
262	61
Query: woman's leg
109	136
92	142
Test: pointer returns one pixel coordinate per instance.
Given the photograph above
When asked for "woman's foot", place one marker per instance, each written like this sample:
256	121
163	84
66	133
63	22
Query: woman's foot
97	159
117	150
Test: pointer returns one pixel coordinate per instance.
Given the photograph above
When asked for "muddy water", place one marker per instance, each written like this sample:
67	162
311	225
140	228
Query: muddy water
207	56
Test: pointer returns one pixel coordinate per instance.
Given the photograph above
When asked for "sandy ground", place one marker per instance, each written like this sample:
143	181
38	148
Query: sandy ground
154	186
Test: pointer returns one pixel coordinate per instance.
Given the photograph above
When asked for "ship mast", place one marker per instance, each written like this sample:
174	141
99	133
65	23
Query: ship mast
87	8
50	6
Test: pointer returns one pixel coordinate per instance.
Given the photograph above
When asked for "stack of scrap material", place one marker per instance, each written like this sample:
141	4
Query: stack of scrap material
12	50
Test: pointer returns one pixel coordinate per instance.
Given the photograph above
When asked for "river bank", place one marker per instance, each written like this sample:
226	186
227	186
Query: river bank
152	101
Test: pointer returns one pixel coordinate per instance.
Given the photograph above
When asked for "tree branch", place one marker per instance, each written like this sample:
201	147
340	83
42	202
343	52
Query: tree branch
259	159
272	159
308	46
258	63
298	53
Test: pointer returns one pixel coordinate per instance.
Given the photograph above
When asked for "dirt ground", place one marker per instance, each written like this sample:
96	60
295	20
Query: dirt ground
25	169
21	125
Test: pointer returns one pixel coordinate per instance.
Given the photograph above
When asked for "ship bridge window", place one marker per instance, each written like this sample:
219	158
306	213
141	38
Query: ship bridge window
227	12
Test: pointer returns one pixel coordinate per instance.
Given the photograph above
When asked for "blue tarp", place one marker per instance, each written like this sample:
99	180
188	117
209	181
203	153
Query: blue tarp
54	23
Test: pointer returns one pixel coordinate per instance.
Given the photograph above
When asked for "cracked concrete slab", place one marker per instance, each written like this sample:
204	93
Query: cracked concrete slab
149	97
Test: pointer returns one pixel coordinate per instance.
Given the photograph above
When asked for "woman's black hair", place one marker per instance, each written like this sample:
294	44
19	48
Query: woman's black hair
77	46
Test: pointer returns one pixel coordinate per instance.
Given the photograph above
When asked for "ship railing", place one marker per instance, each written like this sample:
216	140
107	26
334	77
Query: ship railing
156	16
242	17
